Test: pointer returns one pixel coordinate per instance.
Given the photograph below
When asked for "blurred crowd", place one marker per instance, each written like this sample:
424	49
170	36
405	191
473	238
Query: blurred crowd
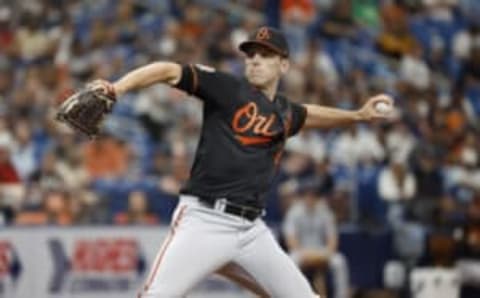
417	174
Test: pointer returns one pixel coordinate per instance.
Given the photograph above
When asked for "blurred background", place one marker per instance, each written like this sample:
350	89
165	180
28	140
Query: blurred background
402	199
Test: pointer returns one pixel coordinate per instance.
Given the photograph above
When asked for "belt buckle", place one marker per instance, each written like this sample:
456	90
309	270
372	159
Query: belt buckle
220	204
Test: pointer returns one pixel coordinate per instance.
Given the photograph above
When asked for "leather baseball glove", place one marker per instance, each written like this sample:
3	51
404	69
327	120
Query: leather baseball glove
85	110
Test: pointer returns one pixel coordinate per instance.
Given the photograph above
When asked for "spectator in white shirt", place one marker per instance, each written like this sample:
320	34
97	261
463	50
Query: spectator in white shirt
396	183
311	236
356	145
414	70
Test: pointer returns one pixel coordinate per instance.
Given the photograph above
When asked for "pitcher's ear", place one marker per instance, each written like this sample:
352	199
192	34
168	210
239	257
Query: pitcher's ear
284	65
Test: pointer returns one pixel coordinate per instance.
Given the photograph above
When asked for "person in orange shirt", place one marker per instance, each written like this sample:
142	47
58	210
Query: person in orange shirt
298	10
107	157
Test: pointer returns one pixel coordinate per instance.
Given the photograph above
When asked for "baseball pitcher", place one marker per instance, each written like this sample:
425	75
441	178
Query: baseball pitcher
217	225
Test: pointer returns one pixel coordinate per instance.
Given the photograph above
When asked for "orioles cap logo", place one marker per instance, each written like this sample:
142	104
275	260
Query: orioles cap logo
263	34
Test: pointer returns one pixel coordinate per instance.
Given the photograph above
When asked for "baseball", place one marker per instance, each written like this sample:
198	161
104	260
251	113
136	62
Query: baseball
383	107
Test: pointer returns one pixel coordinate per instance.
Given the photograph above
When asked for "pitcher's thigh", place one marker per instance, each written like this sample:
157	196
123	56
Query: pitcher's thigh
271	267
189	254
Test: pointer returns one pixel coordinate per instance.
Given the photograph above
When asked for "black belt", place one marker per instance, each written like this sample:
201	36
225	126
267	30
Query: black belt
224	205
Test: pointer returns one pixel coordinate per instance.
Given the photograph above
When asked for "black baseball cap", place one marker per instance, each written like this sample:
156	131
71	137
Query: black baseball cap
268	37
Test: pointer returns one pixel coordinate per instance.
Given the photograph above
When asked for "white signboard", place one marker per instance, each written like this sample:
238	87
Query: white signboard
89	262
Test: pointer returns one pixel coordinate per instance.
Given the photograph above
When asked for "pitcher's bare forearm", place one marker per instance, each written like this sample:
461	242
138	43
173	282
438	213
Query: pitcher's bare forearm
145	76
327	117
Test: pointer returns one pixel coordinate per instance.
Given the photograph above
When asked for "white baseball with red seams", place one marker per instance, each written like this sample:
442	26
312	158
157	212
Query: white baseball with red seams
383	107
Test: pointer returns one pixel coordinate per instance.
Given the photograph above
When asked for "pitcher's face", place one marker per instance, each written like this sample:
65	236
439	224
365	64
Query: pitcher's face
264	66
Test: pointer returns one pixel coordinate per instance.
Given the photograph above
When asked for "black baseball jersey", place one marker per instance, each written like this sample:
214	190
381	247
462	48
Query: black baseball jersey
242	136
